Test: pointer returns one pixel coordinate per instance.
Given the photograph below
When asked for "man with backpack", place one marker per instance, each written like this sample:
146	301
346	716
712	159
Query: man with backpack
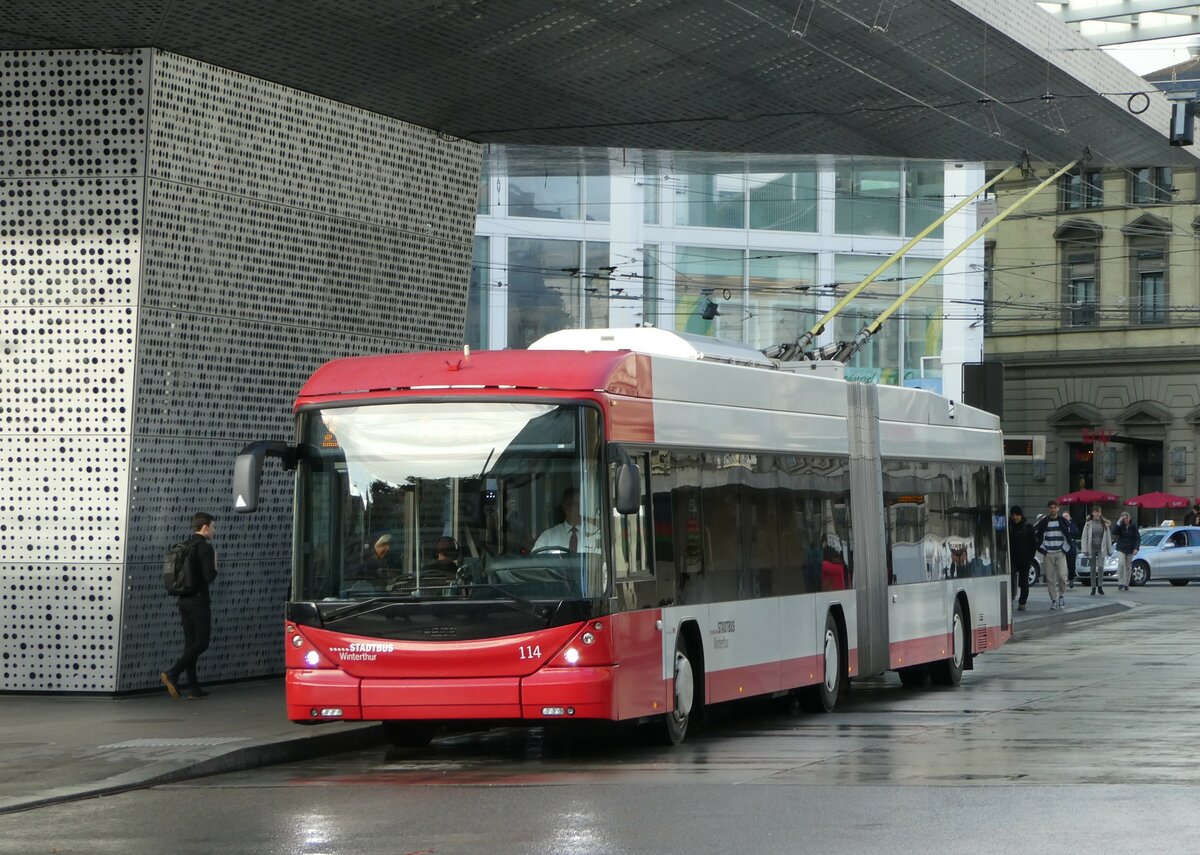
197	571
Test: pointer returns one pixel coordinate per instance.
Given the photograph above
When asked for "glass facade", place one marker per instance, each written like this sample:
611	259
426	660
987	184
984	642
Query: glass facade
785	201
868	201
745	248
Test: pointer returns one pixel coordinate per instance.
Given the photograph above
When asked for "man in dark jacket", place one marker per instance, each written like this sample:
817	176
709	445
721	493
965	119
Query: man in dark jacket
194	609
1020	552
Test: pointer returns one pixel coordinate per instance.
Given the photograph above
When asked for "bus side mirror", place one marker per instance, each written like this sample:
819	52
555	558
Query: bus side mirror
247	471
629	489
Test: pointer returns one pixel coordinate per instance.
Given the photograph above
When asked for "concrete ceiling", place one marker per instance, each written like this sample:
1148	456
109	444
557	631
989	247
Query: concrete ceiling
940	79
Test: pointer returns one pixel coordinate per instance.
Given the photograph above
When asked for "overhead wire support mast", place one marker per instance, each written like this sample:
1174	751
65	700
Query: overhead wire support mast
800	346
847	350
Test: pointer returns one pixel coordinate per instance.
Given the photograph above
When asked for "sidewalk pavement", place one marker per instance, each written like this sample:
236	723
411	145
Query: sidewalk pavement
57	749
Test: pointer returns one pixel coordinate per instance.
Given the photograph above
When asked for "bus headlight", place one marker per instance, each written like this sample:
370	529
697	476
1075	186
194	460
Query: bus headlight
312	658
571	655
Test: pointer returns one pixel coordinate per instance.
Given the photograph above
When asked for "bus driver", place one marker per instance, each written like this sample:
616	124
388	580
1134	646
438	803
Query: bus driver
573	534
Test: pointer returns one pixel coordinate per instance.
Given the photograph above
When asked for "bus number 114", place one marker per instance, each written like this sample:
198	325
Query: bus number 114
530	651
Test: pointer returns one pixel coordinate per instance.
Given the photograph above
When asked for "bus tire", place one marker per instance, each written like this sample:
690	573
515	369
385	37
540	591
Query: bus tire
409	734
823	697
949	671
677	720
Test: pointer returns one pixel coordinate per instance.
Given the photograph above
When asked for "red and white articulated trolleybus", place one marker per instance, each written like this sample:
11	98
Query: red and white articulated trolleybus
627	525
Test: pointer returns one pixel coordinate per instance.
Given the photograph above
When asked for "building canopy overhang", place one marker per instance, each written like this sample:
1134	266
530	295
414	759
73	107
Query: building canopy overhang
980	80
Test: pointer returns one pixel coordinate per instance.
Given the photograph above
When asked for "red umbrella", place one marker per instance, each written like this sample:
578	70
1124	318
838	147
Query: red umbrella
1159	500
1089	497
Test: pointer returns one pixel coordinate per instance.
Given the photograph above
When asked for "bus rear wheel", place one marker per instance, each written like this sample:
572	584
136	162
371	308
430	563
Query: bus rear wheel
823	697
949	671
677	720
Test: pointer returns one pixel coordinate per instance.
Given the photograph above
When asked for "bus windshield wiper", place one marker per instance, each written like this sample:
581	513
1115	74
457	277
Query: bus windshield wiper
363	607
540	611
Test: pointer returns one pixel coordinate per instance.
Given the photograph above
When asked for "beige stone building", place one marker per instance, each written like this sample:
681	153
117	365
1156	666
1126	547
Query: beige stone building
1094	309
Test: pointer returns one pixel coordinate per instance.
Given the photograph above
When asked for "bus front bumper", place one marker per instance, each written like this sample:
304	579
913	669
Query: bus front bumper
548	694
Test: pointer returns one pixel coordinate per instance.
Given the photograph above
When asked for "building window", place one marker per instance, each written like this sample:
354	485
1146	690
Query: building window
704	273
483	203
710	198
597	192
878	360
1149	185
867	201
783	201
921	323
1150	297
556	285
924	200
1081	190
650	291
1079	289
543	288
538	192
476	332
650	199
597	283
781	301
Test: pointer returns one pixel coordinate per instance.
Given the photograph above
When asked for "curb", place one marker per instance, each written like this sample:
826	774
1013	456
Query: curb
235	760
1044	624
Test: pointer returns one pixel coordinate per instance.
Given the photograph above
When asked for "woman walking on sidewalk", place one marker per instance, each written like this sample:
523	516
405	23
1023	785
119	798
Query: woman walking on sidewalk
1096	544
1129	540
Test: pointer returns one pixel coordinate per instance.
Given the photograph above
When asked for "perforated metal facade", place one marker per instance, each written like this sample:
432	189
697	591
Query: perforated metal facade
180	246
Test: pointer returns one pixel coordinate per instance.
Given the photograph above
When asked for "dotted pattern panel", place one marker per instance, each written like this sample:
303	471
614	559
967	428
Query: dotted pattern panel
216	258
72	161
66	498
268	230
232	134
59	630
281	230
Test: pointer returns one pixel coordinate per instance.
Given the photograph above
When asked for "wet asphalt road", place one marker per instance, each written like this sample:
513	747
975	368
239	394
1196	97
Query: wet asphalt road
1079	741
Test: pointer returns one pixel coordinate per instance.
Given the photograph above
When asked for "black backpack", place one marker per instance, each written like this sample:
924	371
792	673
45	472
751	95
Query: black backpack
175	569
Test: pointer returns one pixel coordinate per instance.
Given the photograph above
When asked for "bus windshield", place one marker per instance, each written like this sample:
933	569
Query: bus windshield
453	499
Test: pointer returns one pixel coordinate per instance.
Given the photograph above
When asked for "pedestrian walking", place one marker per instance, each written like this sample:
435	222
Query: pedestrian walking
1021	548
1053	542
1127	540
1192	517
194	609
1096	543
